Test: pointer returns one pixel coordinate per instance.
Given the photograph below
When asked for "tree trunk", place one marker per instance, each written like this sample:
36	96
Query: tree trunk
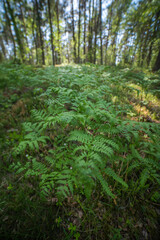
107	41
25	30
9	24
90	32
100	17
144	49
3	47
84	35
35	32
59	57
17	32
157	63
34	35
155	32
79	31
73	32
110	12
40	32
95	30
115	40
51	31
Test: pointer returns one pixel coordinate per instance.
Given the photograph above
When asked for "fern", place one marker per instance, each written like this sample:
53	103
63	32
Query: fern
144	177
81	134
111	173
105	185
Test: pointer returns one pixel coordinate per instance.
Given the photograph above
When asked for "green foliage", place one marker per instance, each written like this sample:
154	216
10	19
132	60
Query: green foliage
86	139
82	160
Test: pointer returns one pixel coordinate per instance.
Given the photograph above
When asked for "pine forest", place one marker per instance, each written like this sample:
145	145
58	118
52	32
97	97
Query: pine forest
79	119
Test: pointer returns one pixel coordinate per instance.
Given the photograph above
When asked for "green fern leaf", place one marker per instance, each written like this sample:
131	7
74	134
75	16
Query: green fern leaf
111	173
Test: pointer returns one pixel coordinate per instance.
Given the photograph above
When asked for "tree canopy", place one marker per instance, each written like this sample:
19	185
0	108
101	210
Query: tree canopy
97	31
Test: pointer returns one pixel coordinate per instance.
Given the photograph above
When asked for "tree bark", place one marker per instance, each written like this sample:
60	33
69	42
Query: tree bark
84	35
34	34
155	32
3	47
40	31
73	32
79	31
25	30
90	32
157	63
100	16
51	32
9	24
59	57
110	12
144	48
95	30
17	32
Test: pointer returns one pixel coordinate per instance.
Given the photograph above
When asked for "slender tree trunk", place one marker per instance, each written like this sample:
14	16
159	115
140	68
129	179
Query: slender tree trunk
90	37
95	30
25	30
73	32
84	35
140	53
90	31
149	54
3	46
144	49
100	16
34	37
24	25
40	32
17	32
107	41
157	63
92	28
35	32
51	31
134	53
110	12
59	57
124	55
79	31
115	40
155	32
9	24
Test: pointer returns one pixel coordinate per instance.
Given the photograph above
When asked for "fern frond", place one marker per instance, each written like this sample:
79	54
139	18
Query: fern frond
111	173
39	167
143	177
107	141
80	136
102	148
105	185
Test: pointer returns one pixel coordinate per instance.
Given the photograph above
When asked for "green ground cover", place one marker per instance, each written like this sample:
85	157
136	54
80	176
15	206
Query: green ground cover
79	152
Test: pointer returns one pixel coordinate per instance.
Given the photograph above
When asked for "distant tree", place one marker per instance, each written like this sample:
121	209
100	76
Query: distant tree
18	33
100	22
157	62
73	31
39	32
8	26
79	29
51	31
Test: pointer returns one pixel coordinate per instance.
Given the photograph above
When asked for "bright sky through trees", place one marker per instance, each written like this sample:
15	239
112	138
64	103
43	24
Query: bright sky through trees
97	31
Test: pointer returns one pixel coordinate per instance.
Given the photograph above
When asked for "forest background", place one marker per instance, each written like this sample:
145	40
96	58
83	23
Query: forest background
79	119
96	31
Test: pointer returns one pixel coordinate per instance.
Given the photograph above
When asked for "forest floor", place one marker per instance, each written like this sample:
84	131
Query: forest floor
79	99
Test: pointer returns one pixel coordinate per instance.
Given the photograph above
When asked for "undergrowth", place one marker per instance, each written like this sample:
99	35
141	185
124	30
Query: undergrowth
84	146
